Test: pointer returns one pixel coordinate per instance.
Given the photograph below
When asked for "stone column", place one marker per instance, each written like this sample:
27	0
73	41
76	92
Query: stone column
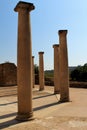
33	74
56	69
41	71
64	75
24	61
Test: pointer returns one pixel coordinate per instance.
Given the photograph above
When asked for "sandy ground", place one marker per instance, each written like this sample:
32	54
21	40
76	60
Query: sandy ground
48	113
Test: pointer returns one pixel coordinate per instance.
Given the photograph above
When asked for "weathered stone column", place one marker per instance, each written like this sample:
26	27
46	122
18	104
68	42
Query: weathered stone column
24	61
64	75
41	71
33	74
56	69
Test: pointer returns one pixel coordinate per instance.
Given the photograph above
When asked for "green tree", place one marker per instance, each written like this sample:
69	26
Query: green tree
80	73
36	69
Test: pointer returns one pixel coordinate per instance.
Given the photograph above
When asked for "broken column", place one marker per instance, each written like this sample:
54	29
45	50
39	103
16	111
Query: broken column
41	71
56	69
64	74
33	74
24	61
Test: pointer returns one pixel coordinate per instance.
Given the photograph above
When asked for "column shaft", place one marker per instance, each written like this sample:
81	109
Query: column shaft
41	71
56	69
33	72
24	62
64	75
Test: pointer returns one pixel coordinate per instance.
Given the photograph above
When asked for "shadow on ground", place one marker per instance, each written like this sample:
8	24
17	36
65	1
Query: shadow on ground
43	96
9	123
46	106
8	103
8	115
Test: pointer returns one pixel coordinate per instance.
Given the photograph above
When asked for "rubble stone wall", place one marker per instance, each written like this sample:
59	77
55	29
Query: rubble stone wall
8	74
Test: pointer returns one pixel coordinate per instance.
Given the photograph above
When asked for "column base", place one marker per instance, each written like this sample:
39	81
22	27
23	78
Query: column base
56	92
64	100
41	89
24	116
33	86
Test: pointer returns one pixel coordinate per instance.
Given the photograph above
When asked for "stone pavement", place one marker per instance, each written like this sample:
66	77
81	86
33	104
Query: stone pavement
49	114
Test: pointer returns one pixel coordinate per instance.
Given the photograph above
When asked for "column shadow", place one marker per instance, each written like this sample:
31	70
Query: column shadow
8	95
8	115
43	96
8	103
8	123
46	106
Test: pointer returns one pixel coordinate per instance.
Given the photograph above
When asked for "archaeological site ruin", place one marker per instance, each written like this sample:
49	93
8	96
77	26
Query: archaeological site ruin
24	72
8	74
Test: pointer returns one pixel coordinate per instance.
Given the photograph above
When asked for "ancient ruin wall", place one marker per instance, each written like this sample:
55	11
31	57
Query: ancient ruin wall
8	74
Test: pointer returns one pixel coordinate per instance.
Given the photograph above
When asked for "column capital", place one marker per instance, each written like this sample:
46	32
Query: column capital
41	52
55	45
24	5
61	32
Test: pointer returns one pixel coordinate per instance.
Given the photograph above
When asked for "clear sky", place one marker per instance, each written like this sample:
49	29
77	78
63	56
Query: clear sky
48	17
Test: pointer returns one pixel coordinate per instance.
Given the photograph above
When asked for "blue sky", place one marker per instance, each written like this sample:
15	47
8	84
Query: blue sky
48	17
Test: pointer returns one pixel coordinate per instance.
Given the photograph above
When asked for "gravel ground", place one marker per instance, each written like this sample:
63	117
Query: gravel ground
48	113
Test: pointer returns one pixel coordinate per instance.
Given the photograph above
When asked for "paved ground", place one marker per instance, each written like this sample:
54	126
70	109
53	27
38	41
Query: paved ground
48	113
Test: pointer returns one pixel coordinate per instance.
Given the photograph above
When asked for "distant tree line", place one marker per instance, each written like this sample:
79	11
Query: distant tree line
48	75
36	70
79	73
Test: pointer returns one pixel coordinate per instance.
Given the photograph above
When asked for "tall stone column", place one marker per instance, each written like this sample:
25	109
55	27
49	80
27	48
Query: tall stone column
64	74
33	74
24	61
56	69
41	71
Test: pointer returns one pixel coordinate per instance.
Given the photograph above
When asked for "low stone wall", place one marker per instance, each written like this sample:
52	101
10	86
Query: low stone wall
74	84
8	74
